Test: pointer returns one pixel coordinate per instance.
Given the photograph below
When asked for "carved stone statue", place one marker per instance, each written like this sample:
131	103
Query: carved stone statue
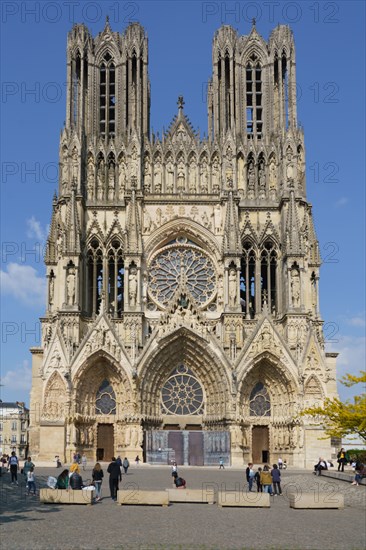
232	288
75	165
295	287
157	176
181	177
251	180
215	176
132	287
134	165
170	177
70	287
51	289
90	178
100	180
147	221
192	175
147	176
262	180
272	177
204	176
111	181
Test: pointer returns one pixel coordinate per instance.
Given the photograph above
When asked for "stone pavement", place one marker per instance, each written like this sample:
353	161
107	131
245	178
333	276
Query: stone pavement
28	524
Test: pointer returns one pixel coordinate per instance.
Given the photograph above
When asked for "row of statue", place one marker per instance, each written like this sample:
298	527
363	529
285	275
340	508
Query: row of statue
106	180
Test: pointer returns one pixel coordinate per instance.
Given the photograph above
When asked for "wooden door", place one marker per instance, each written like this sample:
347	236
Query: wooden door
260	444
105	447
195	449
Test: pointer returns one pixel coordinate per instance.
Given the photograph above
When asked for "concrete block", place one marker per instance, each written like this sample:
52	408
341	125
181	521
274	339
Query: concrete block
146	498
238	498
190	495
316	500
61	496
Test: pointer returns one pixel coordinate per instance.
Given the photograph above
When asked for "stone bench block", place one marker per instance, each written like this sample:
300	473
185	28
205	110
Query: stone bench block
190	495
61	496
137	497
238	498
316	500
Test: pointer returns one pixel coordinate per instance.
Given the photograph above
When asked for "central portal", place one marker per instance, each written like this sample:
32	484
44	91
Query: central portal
105	447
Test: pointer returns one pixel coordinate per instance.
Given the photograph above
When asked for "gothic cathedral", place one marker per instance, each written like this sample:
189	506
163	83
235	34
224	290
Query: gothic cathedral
182	318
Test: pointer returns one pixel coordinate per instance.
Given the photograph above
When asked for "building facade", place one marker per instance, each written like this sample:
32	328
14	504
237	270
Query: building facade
14	428
182	316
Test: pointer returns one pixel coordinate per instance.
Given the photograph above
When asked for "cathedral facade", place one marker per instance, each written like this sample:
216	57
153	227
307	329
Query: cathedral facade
182	319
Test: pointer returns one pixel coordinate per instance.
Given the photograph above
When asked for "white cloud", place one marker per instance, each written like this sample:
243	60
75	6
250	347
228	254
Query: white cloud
351	360
17	382
356	321
35	230
24	283
342	202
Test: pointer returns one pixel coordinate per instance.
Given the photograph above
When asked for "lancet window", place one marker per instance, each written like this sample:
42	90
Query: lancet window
268	275
115	278
258	278
107	96
254	103
94	277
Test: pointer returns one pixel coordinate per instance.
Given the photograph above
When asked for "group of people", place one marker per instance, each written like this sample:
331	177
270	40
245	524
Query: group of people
12	462
72	479
266	480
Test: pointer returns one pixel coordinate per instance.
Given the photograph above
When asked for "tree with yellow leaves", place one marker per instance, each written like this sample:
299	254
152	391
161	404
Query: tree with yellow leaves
342	419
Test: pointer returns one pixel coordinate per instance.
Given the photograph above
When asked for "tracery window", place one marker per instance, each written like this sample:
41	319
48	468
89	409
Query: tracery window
105	402
182	393
107	96
254	107
115	278
268	275
247	280
181	259
259	401
94	283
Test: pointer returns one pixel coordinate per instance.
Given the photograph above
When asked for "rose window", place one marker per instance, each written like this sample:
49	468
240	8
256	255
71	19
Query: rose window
259	404
182	393
181	261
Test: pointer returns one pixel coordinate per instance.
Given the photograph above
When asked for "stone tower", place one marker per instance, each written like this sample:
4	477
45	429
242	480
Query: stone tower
182	317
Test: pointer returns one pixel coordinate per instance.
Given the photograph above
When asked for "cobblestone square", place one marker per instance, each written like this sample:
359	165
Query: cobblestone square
28	524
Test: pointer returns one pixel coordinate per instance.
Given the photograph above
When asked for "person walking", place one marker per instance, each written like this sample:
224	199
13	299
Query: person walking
28	464
115	476
137	460
84	461
97	475
13	465
249	472
280	463
125	464
221	464
342	459
31	482
266	479
276	480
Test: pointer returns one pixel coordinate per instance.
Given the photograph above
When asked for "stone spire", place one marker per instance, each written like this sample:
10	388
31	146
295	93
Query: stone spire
50	253
134	241
293	244
231	241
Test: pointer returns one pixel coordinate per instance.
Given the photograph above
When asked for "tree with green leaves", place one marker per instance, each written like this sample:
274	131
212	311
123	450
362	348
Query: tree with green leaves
343	419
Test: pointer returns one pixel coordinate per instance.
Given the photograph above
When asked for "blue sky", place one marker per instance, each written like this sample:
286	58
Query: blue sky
330	50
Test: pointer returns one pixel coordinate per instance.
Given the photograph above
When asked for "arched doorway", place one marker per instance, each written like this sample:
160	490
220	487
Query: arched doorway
185	390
